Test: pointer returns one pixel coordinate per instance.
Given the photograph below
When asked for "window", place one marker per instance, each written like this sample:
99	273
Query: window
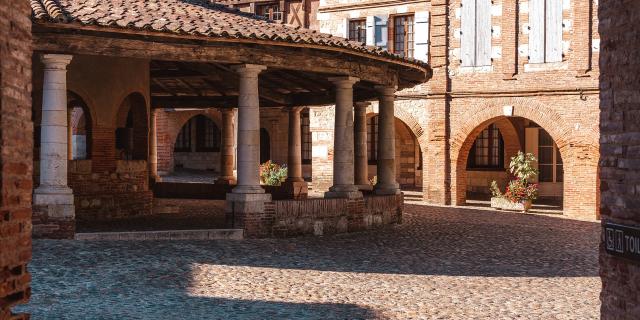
487	151
270	11
401	36
358	30
475	34
372	139
549	159
306	137
208	135
545	34
183	142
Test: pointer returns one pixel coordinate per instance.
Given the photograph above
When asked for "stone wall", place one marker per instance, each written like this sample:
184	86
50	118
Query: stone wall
458	102
16	133
620	149
331	216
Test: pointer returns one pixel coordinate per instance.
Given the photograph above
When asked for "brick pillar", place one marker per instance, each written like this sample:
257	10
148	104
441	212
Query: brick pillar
16	142
53	198
361	170
245	206
386	148
343	158
228	153
295	186
619	151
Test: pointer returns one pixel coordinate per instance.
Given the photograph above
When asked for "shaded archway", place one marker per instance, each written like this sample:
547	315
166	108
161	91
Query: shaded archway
577	149
132	132
197	144
265	145
80	124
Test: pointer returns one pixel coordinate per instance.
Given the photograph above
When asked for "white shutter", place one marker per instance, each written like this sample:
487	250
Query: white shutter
381	31
468	33
553	43
421	36
371	31
483	33
345	28
536	34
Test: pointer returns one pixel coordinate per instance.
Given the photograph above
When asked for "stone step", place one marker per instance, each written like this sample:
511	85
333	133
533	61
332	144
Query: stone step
203	234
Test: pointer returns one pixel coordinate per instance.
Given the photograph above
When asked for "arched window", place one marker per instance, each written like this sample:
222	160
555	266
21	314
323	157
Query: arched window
201	130
132	134
487	151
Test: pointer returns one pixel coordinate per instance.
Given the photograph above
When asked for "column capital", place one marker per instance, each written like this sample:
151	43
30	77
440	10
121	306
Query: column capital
248	70
296	109
56	61
344	82
362	104
386	90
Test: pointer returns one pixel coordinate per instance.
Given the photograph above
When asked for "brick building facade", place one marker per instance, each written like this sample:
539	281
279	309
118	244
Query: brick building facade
498	87
620	152
16	130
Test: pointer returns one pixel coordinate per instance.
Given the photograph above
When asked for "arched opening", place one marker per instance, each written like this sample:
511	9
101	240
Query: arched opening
486	154
197	145
408	153
132	141
80	128
265	145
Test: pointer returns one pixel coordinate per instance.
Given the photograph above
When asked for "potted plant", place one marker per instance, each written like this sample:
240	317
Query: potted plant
519	193
272	174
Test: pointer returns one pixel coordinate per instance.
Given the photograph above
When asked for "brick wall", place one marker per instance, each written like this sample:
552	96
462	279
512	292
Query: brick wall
458	101
620	149
16	140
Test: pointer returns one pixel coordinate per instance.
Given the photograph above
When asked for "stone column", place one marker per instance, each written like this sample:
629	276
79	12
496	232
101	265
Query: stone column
361	170
245	205
295	186
69	134
386	147
153	146
53	197
343	157
227	152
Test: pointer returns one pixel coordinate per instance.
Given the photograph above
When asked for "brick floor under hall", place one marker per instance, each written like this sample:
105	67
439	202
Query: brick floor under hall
441	263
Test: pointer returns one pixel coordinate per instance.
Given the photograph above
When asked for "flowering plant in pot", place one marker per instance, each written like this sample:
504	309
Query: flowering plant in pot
272	174
519	193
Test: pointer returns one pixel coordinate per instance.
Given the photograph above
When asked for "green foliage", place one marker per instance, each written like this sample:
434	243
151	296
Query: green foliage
495	190
272	174
521	166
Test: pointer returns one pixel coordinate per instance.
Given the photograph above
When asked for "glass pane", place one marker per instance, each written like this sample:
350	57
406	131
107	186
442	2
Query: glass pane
544	139
559	173
546	173
545	155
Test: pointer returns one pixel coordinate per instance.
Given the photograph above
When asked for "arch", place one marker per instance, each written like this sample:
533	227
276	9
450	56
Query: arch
579	150
265	145
132	133
81	127
200	147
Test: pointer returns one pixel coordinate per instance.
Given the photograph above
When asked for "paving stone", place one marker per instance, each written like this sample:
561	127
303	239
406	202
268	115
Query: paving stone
441	263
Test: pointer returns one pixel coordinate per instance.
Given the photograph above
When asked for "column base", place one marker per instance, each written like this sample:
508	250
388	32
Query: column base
242	189
249	211
53	213
364	187
295	189
387	189
346	191
226	180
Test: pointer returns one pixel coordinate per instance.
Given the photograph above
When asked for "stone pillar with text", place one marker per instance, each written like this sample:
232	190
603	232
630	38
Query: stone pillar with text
53	199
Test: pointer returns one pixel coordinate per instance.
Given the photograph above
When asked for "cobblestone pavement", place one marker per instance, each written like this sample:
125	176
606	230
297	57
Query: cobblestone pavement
441	263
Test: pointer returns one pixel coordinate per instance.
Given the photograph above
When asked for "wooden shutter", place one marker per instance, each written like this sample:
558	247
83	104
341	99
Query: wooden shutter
371	31
421	36
345	28
536	32
468	33
483	33
553	42
381	29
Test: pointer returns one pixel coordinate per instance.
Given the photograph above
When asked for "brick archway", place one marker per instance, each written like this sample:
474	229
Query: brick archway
132	113
579	151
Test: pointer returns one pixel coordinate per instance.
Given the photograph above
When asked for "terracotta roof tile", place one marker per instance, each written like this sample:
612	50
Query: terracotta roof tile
193	17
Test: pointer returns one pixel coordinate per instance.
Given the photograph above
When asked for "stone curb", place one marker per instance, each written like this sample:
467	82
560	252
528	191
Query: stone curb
204	234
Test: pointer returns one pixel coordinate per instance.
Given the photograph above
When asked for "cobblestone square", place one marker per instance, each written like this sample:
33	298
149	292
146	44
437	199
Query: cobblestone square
441	263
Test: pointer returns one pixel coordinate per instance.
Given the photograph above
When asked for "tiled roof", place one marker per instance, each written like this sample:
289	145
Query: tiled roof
188	17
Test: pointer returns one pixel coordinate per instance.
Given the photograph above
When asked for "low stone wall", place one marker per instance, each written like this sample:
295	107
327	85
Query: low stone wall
291	218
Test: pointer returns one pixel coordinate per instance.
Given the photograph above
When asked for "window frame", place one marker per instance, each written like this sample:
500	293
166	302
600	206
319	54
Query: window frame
408	42
556	164
491	138
357	30
185	134
203	125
